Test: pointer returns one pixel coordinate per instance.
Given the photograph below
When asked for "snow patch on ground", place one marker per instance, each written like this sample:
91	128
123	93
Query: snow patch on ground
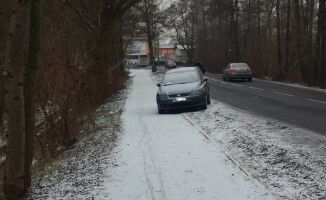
82	170
289	161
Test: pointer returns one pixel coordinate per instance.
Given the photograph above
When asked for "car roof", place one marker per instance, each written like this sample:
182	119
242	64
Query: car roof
239	63
181	69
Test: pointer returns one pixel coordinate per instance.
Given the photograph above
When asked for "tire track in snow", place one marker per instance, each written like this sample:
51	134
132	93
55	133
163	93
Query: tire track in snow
157	191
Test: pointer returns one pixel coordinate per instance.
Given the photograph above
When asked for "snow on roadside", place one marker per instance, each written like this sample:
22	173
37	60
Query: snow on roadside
289	161
82	170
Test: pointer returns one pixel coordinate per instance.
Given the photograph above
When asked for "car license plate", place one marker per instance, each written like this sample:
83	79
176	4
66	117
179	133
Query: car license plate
178	99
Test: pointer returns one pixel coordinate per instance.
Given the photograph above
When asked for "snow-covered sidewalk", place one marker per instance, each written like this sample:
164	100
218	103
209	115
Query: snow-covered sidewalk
166	157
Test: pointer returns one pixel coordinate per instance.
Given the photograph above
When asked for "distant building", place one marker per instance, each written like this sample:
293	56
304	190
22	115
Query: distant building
167	49
172	52
138	44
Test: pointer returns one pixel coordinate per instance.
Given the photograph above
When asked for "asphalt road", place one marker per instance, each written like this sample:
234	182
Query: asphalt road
301	106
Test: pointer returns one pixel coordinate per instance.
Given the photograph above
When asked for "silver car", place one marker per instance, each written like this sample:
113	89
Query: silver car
237	71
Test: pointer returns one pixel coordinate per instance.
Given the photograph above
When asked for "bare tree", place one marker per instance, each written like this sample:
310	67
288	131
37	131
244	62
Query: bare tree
310	42
152	17
14	166
320	43
279	52
29	85
185	25
275	37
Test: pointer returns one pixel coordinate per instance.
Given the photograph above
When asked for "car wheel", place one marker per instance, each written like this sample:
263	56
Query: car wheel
204	107
208	100
161	111
249	79
224	79
228	79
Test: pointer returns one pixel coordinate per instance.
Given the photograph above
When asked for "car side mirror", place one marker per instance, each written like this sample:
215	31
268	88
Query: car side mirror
205	79
158	85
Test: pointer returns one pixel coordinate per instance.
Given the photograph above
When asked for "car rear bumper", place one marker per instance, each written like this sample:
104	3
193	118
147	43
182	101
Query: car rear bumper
240	75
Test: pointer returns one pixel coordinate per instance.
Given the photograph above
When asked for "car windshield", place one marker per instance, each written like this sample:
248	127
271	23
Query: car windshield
180	78
132	56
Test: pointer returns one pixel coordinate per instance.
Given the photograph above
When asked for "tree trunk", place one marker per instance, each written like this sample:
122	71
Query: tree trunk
279	53
29	85
299	36
319	43
287	39
14	165
323	45
150	46
259	27
310	47
236	32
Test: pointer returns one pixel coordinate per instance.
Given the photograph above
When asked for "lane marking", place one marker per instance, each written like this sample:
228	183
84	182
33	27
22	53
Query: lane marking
256	88
213	80
316	101
226	83
289	95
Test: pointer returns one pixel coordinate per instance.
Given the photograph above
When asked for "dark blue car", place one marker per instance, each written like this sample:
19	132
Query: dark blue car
182	88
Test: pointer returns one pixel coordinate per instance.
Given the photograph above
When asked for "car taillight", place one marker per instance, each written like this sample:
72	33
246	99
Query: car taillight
249	69
169	64
233	70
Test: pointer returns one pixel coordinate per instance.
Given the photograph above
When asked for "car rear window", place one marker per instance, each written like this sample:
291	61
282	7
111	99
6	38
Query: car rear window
240	65
180	78
171	62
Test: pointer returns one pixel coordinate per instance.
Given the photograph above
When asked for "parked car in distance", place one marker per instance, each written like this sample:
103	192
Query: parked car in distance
201	65
184	87
237	71
170	64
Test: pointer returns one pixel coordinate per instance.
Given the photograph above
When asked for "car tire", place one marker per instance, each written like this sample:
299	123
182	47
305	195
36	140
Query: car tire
204	107
208	100
161	111
224	79
249	79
